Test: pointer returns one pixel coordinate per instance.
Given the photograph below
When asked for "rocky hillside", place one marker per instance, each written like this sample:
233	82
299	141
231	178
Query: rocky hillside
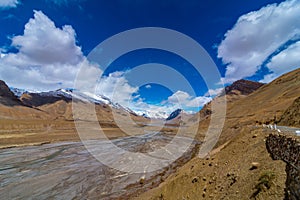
243	87
287	148
233	93
269	102
7	97
239	167
174	114
48	117
39	99
237	90
291	117
11	108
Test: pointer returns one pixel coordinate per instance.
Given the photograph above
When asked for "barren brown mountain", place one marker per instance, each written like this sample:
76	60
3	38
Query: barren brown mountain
6	96
38	119
233	170
236	167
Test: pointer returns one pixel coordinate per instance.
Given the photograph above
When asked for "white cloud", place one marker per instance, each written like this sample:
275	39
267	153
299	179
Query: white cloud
153	111
47	57
8	3
214	92
43	43
286	60
198	101
177	100
116	87
256	36
179	97
183	99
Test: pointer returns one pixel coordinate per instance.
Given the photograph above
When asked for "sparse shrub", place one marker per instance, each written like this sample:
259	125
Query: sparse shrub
265	182
161	197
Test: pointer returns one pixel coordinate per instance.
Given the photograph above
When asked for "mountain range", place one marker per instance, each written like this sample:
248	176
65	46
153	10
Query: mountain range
225	173
35	118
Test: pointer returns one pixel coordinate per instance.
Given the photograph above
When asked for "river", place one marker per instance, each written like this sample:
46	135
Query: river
67	170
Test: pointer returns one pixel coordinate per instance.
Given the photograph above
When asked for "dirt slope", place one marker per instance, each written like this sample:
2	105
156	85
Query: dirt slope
291	117
240	167
226	174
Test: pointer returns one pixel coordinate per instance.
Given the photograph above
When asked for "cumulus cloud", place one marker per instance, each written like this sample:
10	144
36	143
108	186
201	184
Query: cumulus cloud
153	111
256	36
177	100
214	92
183	99
116	87
286	60
47	58
8	3
43	43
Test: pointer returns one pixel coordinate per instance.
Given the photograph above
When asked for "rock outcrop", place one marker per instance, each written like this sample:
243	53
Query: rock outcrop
174	114
287	149
7	97
243	87
233	92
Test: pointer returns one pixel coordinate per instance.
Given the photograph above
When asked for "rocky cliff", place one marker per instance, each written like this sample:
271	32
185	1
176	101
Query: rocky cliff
287	148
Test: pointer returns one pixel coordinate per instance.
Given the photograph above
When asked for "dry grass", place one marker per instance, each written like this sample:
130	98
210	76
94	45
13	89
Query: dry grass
226	174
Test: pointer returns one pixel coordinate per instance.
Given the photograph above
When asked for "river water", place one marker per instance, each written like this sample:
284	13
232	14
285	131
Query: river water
68	171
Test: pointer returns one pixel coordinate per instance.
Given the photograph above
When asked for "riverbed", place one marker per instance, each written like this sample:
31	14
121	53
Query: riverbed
67	170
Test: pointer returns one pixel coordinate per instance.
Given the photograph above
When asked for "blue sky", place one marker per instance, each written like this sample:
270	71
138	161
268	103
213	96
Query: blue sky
257	40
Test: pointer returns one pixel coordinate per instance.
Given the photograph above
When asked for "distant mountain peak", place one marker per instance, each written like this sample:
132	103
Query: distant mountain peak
5	91
243	87
7	96
174	114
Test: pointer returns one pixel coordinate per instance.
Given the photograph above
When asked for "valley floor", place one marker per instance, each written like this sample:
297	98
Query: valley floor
16	133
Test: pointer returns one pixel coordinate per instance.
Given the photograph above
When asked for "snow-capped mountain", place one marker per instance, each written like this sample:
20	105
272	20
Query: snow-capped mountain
17	92
56	93
174	114
152	114
69	94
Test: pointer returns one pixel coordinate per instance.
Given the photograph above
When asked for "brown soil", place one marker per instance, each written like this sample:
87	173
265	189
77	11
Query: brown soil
226	174
291	117
229	172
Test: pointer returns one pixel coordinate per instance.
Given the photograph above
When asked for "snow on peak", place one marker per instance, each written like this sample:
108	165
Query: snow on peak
152	114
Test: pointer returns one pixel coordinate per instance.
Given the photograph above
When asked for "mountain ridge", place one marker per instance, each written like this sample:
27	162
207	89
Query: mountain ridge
227	172
244	87
7	97
174	114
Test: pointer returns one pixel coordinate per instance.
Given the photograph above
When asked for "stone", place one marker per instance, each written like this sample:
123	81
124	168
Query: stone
142	180
195	180
254	165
